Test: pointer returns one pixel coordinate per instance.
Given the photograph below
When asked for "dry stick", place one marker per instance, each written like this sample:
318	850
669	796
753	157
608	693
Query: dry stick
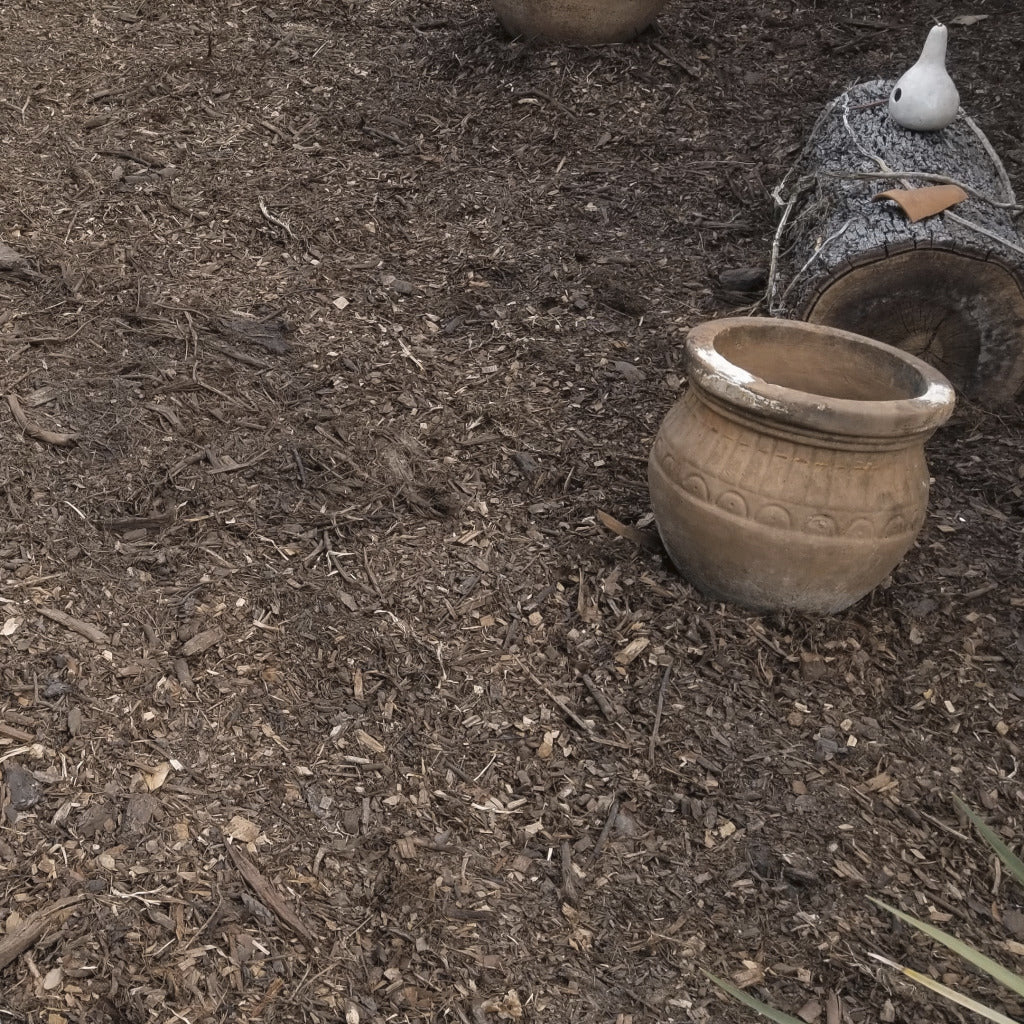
47	436
274	220
657	713
266	892
994	157
15	734
600	699
32	929
563	706
613	813
983	231
90	632
568	885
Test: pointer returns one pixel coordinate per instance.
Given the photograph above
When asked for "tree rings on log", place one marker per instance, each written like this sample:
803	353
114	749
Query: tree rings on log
948	288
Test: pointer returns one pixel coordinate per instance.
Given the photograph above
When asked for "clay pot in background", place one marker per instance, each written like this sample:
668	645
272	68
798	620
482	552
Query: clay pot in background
791	475
578	21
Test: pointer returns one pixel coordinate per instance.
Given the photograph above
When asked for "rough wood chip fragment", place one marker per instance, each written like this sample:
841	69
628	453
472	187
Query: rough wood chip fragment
508	1007
156	777
269	896
33	927
367	741
24	788
202	641
90	632
10	259
632	650
242	829
268	334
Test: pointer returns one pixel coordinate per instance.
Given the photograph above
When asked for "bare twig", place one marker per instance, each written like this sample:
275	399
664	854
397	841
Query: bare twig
657	713
274	220
268	895
90	632
994	157
613	813
46	436
599	698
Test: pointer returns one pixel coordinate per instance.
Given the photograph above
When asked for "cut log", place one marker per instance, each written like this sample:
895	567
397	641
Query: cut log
948	288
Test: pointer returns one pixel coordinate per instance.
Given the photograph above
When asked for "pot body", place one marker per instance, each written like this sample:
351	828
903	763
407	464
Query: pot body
759	503
578	21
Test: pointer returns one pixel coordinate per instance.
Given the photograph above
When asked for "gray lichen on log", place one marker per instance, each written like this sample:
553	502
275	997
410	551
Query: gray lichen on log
949	288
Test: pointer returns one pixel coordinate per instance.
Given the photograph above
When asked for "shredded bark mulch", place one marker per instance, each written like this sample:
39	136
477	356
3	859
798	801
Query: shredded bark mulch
341	678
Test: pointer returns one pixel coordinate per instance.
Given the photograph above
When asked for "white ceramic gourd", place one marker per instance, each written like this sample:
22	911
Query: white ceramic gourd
925	98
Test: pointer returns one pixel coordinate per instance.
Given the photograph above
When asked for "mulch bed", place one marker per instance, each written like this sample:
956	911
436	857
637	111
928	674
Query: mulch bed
339	334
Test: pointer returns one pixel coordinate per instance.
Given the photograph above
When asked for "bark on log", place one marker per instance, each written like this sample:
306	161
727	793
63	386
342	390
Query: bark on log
949	288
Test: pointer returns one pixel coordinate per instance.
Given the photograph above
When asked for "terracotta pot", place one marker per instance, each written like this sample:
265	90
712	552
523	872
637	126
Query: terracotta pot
578	21
792	473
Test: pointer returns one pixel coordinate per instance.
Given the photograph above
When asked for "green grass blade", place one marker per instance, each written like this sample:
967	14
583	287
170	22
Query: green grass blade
1011	861
949	993
755	1004
1005	977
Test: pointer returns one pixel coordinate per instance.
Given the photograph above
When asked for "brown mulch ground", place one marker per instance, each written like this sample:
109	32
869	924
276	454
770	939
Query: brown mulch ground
324	693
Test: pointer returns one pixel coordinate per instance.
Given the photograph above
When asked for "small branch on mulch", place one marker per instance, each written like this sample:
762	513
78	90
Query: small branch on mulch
14	733
33	928
569	893
139	158
613	812
563	706
46	436
276	221
647	539
90	632
599	698
657	714
266	892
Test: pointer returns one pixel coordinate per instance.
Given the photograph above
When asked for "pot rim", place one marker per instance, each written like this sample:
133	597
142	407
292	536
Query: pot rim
710	371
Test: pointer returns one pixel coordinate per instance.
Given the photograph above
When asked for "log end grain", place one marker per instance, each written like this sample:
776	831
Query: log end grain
958	310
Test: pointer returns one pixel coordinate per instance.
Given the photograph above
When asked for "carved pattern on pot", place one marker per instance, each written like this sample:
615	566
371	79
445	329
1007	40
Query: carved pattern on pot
784	499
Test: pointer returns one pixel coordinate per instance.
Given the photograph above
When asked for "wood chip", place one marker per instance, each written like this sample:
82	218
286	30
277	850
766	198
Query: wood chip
34	927
90	632
269	896
202	642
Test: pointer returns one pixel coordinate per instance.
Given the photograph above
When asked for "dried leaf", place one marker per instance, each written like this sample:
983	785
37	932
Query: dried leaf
156	777
243	830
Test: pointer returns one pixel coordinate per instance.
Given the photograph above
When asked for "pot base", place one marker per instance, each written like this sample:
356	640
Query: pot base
585	22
